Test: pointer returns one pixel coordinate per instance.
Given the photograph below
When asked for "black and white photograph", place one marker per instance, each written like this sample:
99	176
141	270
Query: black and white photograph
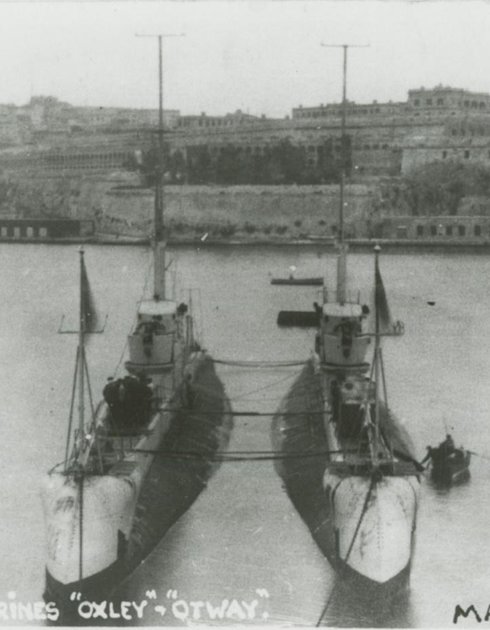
245	313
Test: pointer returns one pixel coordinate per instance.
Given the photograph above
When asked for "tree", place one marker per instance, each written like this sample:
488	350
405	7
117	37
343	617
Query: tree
437	188
200	166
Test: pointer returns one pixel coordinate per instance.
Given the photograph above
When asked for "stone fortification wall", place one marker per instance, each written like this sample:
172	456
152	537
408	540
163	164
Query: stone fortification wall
119	206
277	209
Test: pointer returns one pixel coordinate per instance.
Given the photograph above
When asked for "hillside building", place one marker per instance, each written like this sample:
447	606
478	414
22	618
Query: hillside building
386	139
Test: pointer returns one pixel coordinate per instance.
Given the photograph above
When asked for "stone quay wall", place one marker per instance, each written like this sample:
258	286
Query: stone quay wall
119	206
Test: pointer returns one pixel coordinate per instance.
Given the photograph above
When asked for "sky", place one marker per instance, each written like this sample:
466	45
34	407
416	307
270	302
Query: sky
260	56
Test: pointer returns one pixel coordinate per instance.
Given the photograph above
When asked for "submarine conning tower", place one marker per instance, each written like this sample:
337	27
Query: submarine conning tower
342	342
152	346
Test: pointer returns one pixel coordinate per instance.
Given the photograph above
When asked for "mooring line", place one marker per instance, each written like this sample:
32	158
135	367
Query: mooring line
237	456
259	414
259	364
476	454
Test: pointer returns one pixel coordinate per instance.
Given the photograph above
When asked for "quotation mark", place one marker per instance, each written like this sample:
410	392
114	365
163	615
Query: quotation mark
171	594
262	592
75	595
151	594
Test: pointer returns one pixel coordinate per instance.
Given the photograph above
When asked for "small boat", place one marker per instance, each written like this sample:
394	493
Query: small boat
291	281
448	465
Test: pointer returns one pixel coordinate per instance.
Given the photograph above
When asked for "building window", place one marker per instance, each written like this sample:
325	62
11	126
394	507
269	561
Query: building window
401	231
428	101
416	102
420	230
477	230
440	101
449	230
466	154
461	230
444	155
433	230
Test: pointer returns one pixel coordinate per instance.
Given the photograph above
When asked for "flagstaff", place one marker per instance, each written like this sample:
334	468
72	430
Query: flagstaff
81	349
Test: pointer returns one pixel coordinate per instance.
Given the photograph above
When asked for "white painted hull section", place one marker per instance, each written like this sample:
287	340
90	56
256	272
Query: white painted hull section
108	505
108	508
383	543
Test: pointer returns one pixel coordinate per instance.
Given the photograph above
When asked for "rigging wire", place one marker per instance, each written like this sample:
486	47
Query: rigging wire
92	408
258	363
254	414
300	391
72	404
268	386
237	456
242	397
477	454
225	398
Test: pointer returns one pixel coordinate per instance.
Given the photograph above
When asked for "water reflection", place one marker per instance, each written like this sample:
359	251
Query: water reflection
345	608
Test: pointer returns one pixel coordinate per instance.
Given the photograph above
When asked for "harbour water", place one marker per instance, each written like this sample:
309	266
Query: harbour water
242	538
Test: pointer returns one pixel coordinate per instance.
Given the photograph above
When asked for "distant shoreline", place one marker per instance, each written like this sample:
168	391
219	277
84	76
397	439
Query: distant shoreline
394	245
